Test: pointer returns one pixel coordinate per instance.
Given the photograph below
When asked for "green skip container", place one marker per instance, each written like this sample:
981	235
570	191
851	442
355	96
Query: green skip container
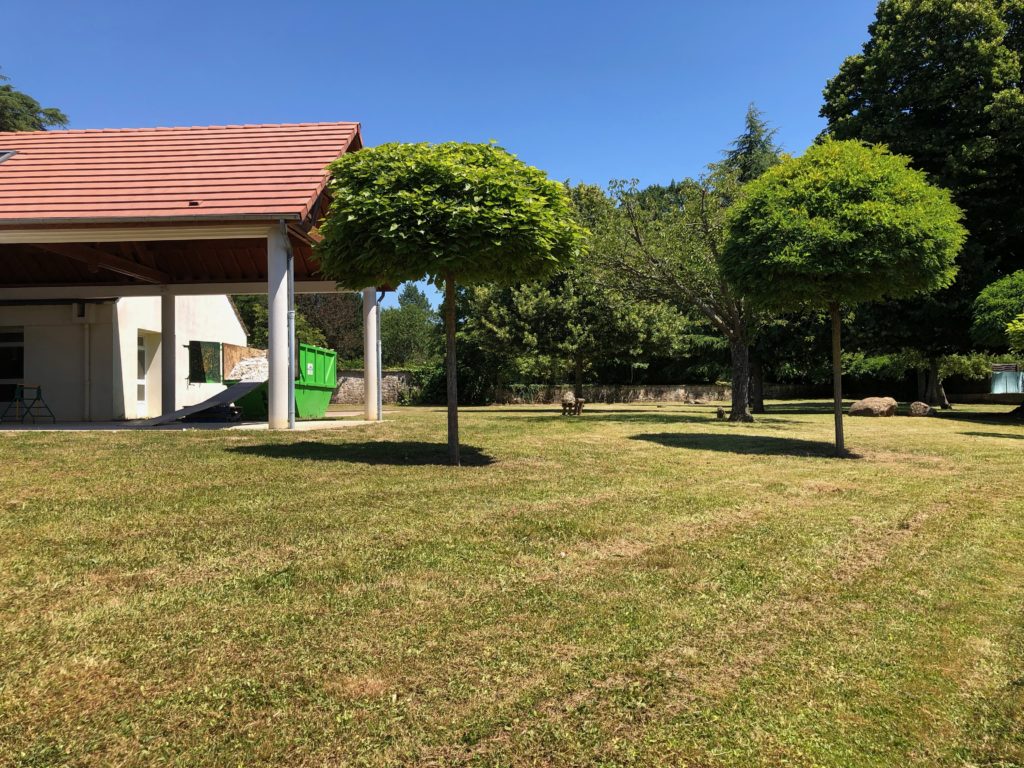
317	379
315	383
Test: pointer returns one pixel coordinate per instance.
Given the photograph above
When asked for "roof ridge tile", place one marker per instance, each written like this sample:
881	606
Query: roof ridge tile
180	128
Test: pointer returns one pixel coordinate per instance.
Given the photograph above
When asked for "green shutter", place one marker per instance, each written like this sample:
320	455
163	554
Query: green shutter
204	362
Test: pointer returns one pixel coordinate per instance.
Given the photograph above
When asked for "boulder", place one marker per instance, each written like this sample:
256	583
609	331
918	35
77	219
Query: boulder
874	406
920	409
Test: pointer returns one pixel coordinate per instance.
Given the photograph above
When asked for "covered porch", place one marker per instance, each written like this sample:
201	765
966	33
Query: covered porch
88	216
87	264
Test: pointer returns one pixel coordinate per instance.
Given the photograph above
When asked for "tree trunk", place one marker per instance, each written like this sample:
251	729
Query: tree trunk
837	376
943	400
937	392
740	380
577	384
756	384
452	375
931	395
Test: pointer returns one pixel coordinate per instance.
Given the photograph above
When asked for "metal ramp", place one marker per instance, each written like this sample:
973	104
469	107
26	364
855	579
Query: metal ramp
228	396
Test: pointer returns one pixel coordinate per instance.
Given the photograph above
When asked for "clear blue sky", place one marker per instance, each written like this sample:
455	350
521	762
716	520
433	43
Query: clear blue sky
588	91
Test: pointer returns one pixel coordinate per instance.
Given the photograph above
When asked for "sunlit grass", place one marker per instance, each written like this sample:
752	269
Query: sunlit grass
637	586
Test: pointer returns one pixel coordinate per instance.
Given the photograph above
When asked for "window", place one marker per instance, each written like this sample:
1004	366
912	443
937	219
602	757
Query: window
12	361
204	362
140	383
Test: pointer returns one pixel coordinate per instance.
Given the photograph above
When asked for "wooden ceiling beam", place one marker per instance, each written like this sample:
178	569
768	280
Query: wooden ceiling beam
95	258
143	253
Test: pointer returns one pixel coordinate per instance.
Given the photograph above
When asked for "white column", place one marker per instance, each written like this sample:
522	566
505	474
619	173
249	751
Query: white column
277	352
168	356
371	351
293	346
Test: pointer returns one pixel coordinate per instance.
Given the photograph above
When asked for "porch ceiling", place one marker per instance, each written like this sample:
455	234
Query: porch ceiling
127	263
132	208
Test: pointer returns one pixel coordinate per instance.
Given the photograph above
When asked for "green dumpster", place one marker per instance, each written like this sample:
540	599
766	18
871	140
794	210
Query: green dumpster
316	378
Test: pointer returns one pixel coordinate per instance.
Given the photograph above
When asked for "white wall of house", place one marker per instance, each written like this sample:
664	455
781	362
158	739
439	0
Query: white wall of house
55	355
197	318
108	386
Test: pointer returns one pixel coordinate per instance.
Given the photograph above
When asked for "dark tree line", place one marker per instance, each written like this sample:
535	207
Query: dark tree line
940	82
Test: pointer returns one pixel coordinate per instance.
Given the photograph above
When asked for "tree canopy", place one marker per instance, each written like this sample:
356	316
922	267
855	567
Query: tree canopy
940	82
252	309
402	212
754	151
996	306
448	212
665	242
845	223
338	316
20	112
1015	334
565	328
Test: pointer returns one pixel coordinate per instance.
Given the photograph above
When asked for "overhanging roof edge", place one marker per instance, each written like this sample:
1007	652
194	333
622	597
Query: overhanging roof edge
172	219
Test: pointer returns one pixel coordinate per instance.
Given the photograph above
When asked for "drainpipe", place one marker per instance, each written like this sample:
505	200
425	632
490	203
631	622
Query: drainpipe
371	355
86	372
380	365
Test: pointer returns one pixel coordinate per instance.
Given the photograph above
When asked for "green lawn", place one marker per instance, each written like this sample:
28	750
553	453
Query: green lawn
640	586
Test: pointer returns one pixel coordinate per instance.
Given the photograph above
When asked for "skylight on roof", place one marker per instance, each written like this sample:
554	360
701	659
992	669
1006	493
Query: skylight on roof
6	153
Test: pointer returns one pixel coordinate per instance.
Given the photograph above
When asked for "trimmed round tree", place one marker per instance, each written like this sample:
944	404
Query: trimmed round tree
468	213
998	305
844	224
1015	334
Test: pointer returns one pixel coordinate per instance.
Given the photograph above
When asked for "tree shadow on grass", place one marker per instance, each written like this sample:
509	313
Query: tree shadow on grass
764	445
666	417
555	409
638	417
1009	418
404	453
803	406
998	435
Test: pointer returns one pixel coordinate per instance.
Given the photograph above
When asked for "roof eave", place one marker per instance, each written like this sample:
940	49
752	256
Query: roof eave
120	220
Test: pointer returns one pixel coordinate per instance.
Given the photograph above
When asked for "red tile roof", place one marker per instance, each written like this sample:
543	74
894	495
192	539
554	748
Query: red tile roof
225	172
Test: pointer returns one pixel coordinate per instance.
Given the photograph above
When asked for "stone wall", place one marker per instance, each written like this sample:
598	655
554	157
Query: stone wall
350	386
796	391
596	393
350	391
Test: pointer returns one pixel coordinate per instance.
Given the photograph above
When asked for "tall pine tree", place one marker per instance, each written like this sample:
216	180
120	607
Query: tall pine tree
20	112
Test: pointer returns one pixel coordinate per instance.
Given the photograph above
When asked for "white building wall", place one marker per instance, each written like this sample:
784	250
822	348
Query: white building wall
197	318
132	317
202	318
55	356
55	352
